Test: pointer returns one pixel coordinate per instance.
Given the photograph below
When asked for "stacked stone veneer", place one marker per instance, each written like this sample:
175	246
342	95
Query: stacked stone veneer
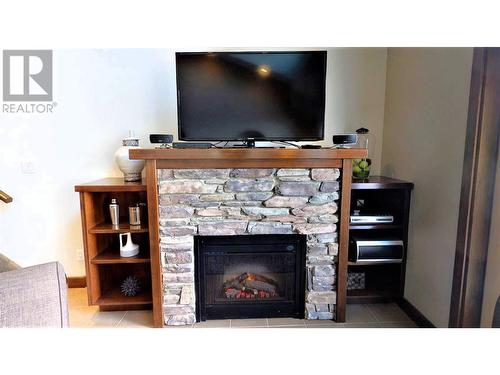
244	202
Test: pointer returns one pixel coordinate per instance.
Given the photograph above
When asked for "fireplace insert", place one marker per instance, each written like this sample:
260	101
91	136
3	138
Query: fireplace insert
258	276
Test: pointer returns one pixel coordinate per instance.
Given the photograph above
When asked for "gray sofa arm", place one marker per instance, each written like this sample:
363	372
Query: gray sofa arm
34	297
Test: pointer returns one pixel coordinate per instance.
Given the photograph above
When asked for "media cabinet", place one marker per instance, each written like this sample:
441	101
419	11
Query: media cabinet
151	260
384	282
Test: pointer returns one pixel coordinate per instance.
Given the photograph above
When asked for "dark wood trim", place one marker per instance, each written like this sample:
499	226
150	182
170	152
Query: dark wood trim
478	178
4	197
76	282
345	207
84	203
154	241
406	225
414	314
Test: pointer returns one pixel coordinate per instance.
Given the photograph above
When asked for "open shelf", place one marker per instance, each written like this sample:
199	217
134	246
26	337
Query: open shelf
354	264
114	297
371	295
374	226
110	256
107	228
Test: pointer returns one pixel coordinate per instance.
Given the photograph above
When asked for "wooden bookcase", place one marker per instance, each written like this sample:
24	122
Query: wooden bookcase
105	269
384	282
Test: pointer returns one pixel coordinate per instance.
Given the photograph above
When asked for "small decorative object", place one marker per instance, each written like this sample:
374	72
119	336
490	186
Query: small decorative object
114	212
129	249
134	213
131	286
132	169
355	280
361	167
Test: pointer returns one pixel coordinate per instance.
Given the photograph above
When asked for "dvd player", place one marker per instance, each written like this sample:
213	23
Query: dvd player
359	218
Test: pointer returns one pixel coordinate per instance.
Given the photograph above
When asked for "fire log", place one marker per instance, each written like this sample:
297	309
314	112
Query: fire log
260	285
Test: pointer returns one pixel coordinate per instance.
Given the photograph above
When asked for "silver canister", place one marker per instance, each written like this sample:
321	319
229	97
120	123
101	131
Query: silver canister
134	213
114	212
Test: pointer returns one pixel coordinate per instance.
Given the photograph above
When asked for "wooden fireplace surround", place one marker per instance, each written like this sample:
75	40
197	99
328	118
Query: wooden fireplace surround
246	158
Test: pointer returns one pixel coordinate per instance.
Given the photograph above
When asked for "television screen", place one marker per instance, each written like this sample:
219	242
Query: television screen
233	96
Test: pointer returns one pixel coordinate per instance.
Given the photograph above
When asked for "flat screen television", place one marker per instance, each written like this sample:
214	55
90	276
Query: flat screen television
257	96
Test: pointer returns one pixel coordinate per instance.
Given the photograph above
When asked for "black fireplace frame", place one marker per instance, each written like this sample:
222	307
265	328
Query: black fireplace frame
252	309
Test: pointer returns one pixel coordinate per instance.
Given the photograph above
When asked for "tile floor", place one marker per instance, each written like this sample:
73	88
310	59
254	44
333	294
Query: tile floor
358	316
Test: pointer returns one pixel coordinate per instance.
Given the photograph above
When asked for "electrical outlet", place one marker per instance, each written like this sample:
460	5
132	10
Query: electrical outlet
79	254
28	167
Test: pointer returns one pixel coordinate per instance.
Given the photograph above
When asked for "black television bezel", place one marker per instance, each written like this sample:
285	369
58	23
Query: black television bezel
179	125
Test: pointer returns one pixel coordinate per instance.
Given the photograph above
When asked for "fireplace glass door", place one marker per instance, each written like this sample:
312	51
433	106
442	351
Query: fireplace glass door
250	276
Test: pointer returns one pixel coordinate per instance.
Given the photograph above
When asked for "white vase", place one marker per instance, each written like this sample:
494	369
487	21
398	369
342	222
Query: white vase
132	169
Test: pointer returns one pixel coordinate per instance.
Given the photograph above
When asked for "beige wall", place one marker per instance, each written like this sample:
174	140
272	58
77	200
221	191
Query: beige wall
492	281
355	95
426	104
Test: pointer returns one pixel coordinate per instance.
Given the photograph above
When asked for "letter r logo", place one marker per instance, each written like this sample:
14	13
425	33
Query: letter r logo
27	75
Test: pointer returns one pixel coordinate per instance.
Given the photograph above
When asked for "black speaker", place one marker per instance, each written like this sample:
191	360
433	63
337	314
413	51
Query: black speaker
345	139
161	138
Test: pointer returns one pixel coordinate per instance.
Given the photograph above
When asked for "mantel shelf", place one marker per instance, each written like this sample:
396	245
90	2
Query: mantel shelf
247	153
247	158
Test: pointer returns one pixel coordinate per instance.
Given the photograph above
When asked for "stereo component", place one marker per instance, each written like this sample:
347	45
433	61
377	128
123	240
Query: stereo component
379	219
367	251
342	140
165	140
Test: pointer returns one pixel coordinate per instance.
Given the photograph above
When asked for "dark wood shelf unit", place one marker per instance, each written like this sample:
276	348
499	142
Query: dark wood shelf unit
384	281
107	228
105	269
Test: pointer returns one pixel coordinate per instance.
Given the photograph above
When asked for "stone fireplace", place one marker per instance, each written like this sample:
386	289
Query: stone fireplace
242	202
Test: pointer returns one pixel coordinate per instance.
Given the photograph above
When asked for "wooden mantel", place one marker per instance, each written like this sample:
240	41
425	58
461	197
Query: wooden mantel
247	158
